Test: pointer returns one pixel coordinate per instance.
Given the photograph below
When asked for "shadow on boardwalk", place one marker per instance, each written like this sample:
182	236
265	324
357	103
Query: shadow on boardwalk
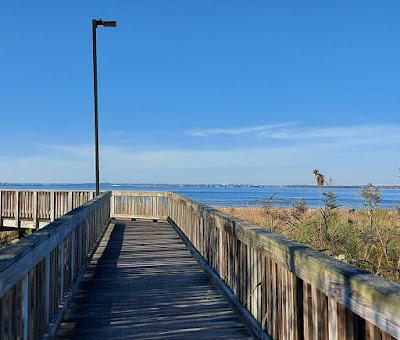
144	284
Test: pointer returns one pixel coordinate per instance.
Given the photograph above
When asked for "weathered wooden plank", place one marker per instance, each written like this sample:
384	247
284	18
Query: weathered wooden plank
16	209
259	283
40	243
1	208
32	307
35	210
25	307
22	263
20	207
307	311
67	297
52	206
3	317
47	290
375	299
352	290
128	294
333	320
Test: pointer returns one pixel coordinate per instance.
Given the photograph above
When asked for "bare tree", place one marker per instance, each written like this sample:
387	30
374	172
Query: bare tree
320	178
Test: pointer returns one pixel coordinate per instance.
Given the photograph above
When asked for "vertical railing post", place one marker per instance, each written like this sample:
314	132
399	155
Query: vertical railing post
333	320
47	289
62	268
1	208
73	257
35	210
70	201
112	205
52	206
16	208
25	307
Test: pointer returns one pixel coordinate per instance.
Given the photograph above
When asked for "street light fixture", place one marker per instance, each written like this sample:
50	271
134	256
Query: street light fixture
96	23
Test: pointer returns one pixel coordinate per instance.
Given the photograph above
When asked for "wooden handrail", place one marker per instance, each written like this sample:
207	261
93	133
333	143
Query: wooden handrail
130	204
34	209
38	273
291	290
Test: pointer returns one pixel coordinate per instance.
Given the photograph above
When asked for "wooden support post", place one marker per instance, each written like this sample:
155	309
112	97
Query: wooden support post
79	246
220	252
47	289
25	307
70	201
32	303
112	205
62	268
52	206
333	320
16	209
73	257
35	210
1	208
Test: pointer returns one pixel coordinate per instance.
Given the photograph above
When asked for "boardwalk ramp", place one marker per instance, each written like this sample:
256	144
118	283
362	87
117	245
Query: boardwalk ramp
143	283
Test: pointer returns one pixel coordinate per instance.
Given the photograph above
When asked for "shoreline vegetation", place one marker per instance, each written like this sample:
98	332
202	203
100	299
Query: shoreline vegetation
7	238
368	238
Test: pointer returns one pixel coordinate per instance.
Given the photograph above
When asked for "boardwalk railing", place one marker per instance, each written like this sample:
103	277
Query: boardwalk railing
39	273
150	205
292	291
35	209
289	291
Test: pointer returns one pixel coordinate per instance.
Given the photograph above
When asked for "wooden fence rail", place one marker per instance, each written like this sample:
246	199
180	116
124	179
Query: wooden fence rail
39	273
149	205
35	209
292	291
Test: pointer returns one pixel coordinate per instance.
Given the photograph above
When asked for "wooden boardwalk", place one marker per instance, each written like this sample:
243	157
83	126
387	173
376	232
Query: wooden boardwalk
144	284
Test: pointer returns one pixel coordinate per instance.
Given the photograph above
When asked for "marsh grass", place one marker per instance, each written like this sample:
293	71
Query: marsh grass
7	238
368	238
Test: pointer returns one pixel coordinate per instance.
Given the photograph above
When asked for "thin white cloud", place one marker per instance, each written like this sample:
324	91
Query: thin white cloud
237	131
358	133
350	135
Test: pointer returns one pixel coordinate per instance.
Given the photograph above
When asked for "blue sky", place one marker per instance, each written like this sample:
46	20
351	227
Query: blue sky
249	92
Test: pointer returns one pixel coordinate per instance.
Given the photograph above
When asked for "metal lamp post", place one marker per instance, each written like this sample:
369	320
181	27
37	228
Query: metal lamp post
96	23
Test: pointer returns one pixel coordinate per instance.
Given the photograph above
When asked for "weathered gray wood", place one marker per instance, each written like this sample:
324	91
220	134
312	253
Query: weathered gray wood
25	307
54	324
39	254
143	283
47	290
26	209
1	208
62	267
376	300
16	209
35	210
248	320
152	205
52	206
234	250
333	320
73	257
70	200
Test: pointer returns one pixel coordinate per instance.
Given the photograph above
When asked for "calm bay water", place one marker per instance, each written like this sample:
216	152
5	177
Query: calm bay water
239	196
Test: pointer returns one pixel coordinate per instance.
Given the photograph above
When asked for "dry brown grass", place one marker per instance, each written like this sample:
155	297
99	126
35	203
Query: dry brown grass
7	238
367	238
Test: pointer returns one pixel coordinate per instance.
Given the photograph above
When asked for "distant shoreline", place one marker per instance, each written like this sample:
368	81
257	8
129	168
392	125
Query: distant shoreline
300	186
